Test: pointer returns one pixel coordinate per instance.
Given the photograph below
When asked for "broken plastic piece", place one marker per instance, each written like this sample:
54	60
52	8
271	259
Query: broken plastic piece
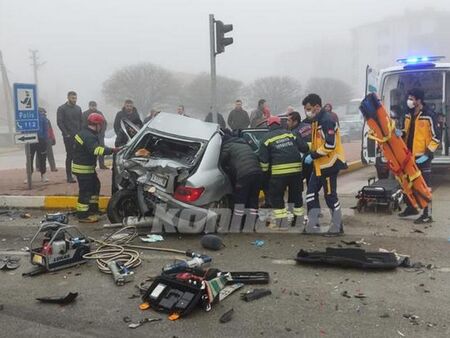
59	300
345	294
152	238
252	277
228	290
258	243
351	258
227	316
255	294
143	321
174	316
144	306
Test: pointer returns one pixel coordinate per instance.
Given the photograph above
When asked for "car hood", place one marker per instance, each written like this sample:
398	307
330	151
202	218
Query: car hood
182	126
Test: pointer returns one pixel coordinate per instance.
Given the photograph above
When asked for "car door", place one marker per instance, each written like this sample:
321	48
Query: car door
253	136
129	128
368	146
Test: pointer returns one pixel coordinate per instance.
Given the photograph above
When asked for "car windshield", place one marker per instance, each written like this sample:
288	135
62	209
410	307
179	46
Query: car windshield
397	85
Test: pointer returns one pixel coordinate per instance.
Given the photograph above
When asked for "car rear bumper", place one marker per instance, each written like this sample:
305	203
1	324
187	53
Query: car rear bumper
184	217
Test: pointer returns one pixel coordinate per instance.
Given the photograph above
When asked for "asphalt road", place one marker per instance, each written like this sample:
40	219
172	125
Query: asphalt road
307	301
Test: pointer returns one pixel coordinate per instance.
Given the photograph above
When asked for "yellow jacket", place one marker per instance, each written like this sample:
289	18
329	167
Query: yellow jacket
326	146
426	136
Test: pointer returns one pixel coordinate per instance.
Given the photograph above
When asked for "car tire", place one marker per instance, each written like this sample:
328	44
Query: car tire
123	203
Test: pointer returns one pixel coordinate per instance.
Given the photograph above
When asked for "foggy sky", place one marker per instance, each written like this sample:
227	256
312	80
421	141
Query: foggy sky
84	41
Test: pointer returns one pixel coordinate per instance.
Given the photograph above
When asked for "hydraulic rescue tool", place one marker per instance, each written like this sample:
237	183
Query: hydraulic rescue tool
120	272
60	246
197	261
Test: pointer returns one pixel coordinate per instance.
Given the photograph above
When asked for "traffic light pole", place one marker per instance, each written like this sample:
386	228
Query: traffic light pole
213	63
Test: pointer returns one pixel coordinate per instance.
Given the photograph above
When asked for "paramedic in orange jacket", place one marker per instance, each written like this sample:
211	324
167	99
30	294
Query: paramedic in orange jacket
327	158
422	137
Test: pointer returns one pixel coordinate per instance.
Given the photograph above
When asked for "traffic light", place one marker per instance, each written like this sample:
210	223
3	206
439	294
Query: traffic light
221	40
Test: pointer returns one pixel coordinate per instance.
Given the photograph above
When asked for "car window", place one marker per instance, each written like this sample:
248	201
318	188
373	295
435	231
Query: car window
253	137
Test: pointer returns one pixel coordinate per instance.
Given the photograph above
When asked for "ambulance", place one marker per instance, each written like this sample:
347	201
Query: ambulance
392	84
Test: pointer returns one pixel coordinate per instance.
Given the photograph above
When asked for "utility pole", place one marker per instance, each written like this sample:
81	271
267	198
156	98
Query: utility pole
217	43
212	49
35	64
8	97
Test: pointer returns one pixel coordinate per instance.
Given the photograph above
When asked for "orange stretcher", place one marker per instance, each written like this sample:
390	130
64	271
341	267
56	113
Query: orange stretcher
400	160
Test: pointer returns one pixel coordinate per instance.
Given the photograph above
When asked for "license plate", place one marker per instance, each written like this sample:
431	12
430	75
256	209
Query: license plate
159	180
37	259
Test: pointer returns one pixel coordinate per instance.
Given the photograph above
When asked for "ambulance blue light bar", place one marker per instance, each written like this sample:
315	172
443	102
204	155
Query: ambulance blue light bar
412	60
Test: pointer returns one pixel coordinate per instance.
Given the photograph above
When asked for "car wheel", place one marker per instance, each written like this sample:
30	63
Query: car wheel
123	203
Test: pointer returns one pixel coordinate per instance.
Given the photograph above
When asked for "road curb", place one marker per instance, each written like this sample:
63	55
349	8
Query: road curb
45	202
70	202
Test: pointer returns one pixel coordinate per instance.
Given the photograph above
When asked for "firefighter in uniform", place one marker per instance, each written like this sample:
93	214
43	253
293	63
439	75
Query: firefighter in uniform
279	153
87	148
327	157
422	136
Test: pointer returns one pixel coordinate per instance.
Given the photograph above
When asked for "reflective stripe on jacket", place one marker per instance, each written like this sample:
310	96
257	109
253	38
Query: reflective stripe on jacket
279	152
326	147
426	136
86	150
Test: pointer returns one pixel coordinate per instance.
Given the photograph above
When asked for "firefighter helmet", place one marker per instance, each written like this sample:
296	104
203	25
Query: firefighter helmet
273	119
96	118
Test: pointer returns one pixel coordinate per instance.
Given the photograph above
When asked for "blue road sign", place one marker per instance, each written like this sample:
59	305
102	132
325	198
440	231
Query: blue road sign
26	107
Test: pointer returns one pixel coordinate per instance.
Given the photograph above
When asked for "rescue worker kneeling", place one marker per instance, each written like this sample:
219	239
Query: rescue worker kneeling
327	157
279	153
87	148
242	167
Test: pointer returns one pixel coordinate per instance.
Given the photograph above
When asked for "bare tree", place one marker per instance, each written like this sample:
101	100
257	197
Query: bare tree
331	90
278	91
145	83
197	94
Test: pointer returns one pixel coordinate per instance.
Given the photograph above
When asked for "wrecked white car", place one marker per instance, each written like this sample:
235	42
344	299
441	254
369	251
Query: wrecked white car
172	162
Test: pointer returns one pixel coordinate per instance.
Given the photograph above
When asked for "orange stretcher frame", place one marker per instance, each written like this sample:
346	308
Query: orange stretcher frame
400	160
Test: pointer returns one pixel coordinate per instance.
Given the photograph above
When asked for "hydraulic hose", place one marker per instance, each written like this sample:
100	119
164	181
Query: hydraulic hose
116	248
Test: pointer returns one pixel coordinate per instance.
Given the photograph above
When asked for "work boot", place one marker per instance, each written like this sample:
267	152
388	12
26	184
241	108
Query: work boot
312	225
312	230
275	224
89	219
409	211
335	230
424	219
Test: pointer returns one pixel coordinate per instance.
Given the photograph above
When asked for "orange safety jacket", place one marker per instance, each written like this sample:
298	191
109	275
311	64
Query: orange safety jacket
426	136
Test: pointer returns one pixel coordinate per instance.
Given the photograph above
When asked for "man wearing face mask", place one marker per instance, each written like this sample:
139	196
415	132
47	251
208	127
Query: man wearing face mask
327	159
87	148
422	137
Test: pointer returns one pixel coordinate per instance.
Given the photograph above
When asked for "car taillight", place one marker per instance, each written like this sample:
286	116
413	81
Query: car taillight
188	194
